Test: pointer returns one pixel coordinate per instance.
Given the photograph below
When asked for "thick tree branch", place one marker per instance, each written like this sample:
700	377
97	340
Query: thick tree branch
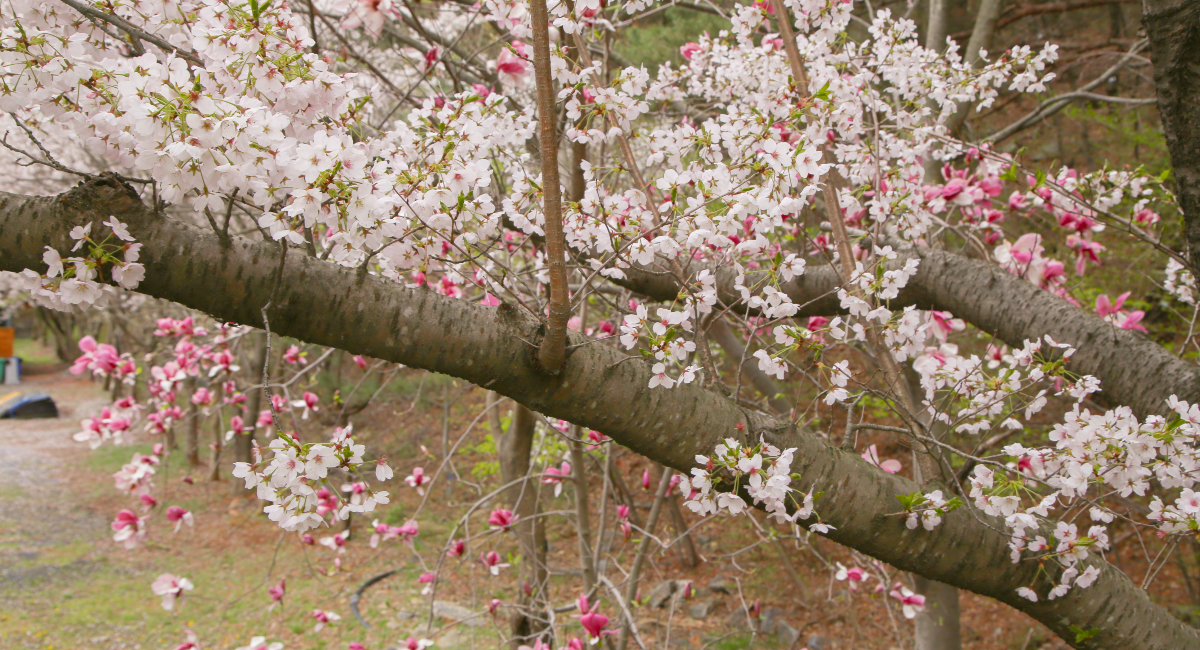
329	305
1132	368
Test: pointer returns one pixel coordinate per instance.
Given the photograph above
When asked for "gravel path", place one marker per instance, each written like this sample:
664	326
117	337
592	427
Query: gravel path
38	514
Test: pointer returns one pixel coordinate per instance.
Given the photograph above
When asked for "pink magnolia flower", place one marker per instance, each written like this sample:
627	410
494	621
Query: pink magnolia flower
1105	307
278	591
1113	313
1017	201
260	643
323	618
1085	251
171	589
944	324
308	403
593	622
622	511
854	576
100	358
1146	217
492	561
493	605
554	476
501	519
426	579
179	517
489	300
130	529
148	501
236	426
294	356
911	603
360	362
417	479
202	397
891	466
413	643
307	539
336	542
513	67
457	548
646	479
192	642
356	646
368	14
690	49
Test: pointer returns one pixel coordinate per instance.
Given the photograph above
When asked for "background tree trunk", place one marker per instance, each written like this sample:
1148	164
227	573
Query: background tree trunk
514	449
1173	27
243	442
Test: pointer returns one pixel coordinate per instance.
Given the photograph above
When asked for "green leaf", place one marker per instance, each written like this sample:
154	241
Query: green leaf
1081	634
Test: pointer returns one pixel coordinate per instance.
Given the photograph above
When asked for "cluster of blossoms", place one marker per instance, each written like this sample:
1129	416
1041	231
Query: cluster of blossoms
135	479
762	470
926	510
1111	452
291	479
79	280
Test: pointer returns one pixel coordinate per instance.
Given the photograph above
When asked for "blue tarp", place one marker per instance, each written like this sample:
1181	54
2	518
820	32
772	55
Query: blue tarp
26	405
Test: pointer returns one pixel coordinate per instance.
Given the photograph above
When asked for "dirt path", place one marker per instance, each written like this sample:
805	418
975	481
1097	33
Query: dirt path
39	516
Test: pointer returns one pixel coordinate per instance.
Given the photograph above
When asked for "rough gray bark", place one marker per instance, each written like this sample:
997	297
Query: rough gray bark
334	306
1173	28
1133	369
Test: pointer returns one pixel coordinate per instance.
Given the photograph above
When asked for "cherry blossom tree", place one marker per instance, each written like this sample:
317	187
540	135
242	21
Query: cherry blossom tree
614	248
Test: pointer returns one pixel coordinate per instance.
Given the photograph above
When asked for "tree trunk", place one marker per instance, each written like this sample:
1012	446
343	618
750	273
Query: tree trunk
528	620
1173	27
191	440
938	625
243	442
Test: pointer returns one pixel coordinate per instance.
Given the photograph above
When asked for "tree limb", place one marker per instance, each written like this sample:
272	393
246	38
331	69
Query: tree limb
335	306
